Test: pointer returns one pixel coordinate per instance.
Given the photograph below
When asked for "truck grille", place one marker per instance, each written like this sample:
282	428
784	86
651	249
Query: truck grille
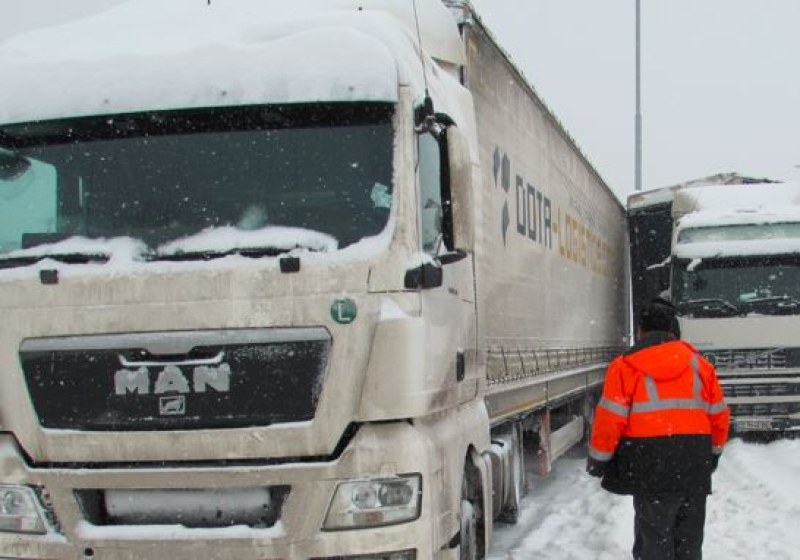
179	380
764	409
775	389
754	358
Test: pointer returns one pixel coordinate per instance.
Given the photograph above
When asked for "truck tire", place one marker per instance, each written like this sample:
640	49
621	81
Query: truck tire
587	412
512	505
468	539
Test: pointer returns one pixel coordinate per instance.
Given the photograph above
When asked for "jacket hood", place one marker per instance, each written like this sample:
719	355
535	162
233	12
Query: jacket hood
662	361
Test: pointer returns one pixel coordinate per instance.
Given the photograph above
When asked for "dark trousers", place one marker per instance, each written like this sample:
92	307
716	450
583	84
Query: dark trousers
669	528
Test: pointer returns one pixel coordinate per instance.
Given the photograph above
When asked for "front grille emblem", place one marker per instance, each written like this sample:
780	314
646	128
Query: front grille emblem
172	406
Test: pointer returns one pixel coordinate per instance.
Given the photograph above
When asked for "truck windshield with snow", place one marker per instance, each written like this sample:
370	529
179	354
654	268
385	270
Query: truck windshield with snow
288	280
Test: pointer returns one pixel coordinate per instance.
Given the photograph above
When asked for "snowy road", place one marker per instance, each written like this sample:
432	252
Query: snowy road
753	513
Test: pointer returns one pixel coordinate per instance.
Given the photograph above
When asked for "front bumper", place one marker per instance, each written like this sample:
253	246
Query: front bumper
297	534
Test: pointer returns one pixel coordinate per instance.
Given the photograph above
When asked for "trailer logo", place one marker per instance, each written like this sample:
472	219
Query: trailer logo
502	166
534	209
574	230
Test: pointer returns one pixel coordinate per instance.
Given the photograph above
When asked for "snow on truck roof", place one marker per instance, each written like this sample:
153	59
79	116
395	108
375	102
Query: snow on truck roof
151	54
718	195
737	220
666	195
754	203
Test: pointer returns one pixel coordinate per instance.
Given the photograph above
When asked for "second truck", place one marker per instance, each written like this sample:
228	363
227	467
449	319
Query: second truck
728	257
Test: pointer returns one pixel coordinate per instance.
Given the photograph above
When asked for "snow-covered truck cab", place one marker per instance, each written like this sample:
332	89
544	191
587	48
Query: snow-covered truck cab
736	281
728	255
236	260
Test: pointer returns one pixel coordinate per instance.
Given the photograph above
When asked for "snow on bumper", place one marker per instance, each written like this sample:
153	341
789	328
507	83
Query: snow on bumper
297	531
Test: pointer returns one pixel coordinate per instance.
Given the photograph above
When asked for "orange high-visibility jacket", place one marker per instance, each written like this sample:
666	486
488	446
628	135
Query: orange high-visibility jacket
663	390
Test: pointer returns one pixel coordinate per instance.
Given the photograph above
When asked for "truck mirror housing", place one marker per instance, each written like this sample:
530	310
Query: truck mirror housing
425	276
461	189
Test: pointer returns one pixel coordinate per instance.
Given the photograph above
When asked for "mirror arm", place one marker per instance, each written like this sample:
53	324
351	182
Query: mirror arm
453	256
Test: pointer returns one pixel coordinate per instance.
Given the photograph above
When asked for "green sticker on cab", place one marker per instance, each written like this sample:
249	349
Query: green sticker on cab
344	311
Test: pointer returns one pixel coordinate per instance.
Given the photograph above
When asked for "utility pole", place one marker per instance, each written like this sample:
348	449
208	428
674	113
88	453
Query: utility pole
638	141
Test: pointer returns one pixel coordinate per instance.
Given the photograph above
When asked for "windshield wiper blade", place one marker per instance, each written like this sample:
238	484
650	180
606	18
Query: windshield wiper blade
708	307
67	258
252	252
778	305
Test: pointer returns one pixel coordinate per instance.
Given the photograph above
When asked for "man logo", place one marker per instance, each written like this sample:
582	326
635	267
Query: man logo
172	406
171	379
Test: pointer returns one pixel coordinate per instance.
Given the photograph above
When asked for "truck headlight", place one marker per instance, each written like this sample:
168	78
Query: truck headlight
374	502
20	511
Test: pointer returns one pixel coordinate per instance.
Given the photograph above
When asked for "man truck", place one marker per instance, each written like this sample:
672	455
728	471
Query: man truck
288	280
728	257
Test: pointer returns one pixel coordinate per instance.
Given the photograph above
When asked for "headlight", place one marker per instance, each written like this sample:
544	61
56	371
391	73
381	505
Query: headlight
20	511
373	503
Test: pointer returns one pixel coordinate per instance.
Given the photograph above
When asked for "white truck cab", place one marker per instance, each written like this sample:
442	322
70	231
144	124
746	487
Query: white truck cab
734	275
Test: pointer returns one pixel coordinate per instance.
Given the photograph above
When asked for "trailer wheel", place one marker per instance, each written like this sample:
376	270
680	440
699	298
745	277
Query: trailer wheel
468	539
587	411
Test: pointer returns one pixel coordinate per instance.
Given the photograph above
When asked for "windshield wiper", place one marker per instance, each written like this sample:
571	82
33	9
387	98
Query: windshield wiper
67	258
252	252
773	305
708	308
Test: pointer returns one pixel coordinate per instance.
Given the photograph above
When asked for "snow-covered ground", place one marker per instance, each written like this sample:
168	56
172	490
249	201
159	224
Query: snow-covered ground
753	514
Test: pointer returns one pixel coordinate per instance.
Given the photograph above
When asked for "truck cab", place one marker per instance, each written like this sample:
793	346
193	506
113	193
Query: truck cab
227	274
732	272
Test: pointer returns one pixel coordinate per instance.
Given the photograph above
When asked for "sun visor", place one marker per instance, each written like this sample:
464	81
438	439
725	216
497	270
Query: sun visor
320	64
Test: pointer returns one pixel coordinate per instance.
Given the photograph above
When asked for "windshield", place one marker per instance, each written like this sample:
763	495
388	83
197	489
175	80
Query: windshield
161	176
737	286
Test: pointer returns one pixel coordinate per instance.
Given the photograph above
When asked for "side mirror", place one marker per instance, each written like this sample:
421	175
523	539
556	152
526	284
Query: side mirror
427	275
461	189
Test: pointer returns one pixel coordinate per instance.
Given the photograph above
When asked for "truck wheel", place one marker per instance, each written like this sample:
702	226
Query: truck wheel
468	540
511	508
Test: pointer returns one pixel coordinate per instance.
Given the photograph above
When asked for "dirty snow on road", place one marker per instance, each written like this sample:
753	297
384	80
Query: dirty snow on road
752	514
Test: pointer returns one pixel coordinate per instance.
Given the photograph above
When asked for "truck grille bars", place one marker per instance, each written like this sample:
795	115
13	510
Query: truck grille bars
176	380
757	358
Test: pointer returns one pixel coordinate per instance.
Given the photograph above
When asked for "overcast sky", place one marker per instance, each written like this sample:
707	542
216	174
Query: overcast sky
719	92
720	86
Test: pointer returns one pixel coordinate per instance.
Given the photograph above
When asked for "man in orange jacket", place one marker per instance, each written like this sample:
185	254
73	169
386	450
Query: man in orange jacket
658	434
